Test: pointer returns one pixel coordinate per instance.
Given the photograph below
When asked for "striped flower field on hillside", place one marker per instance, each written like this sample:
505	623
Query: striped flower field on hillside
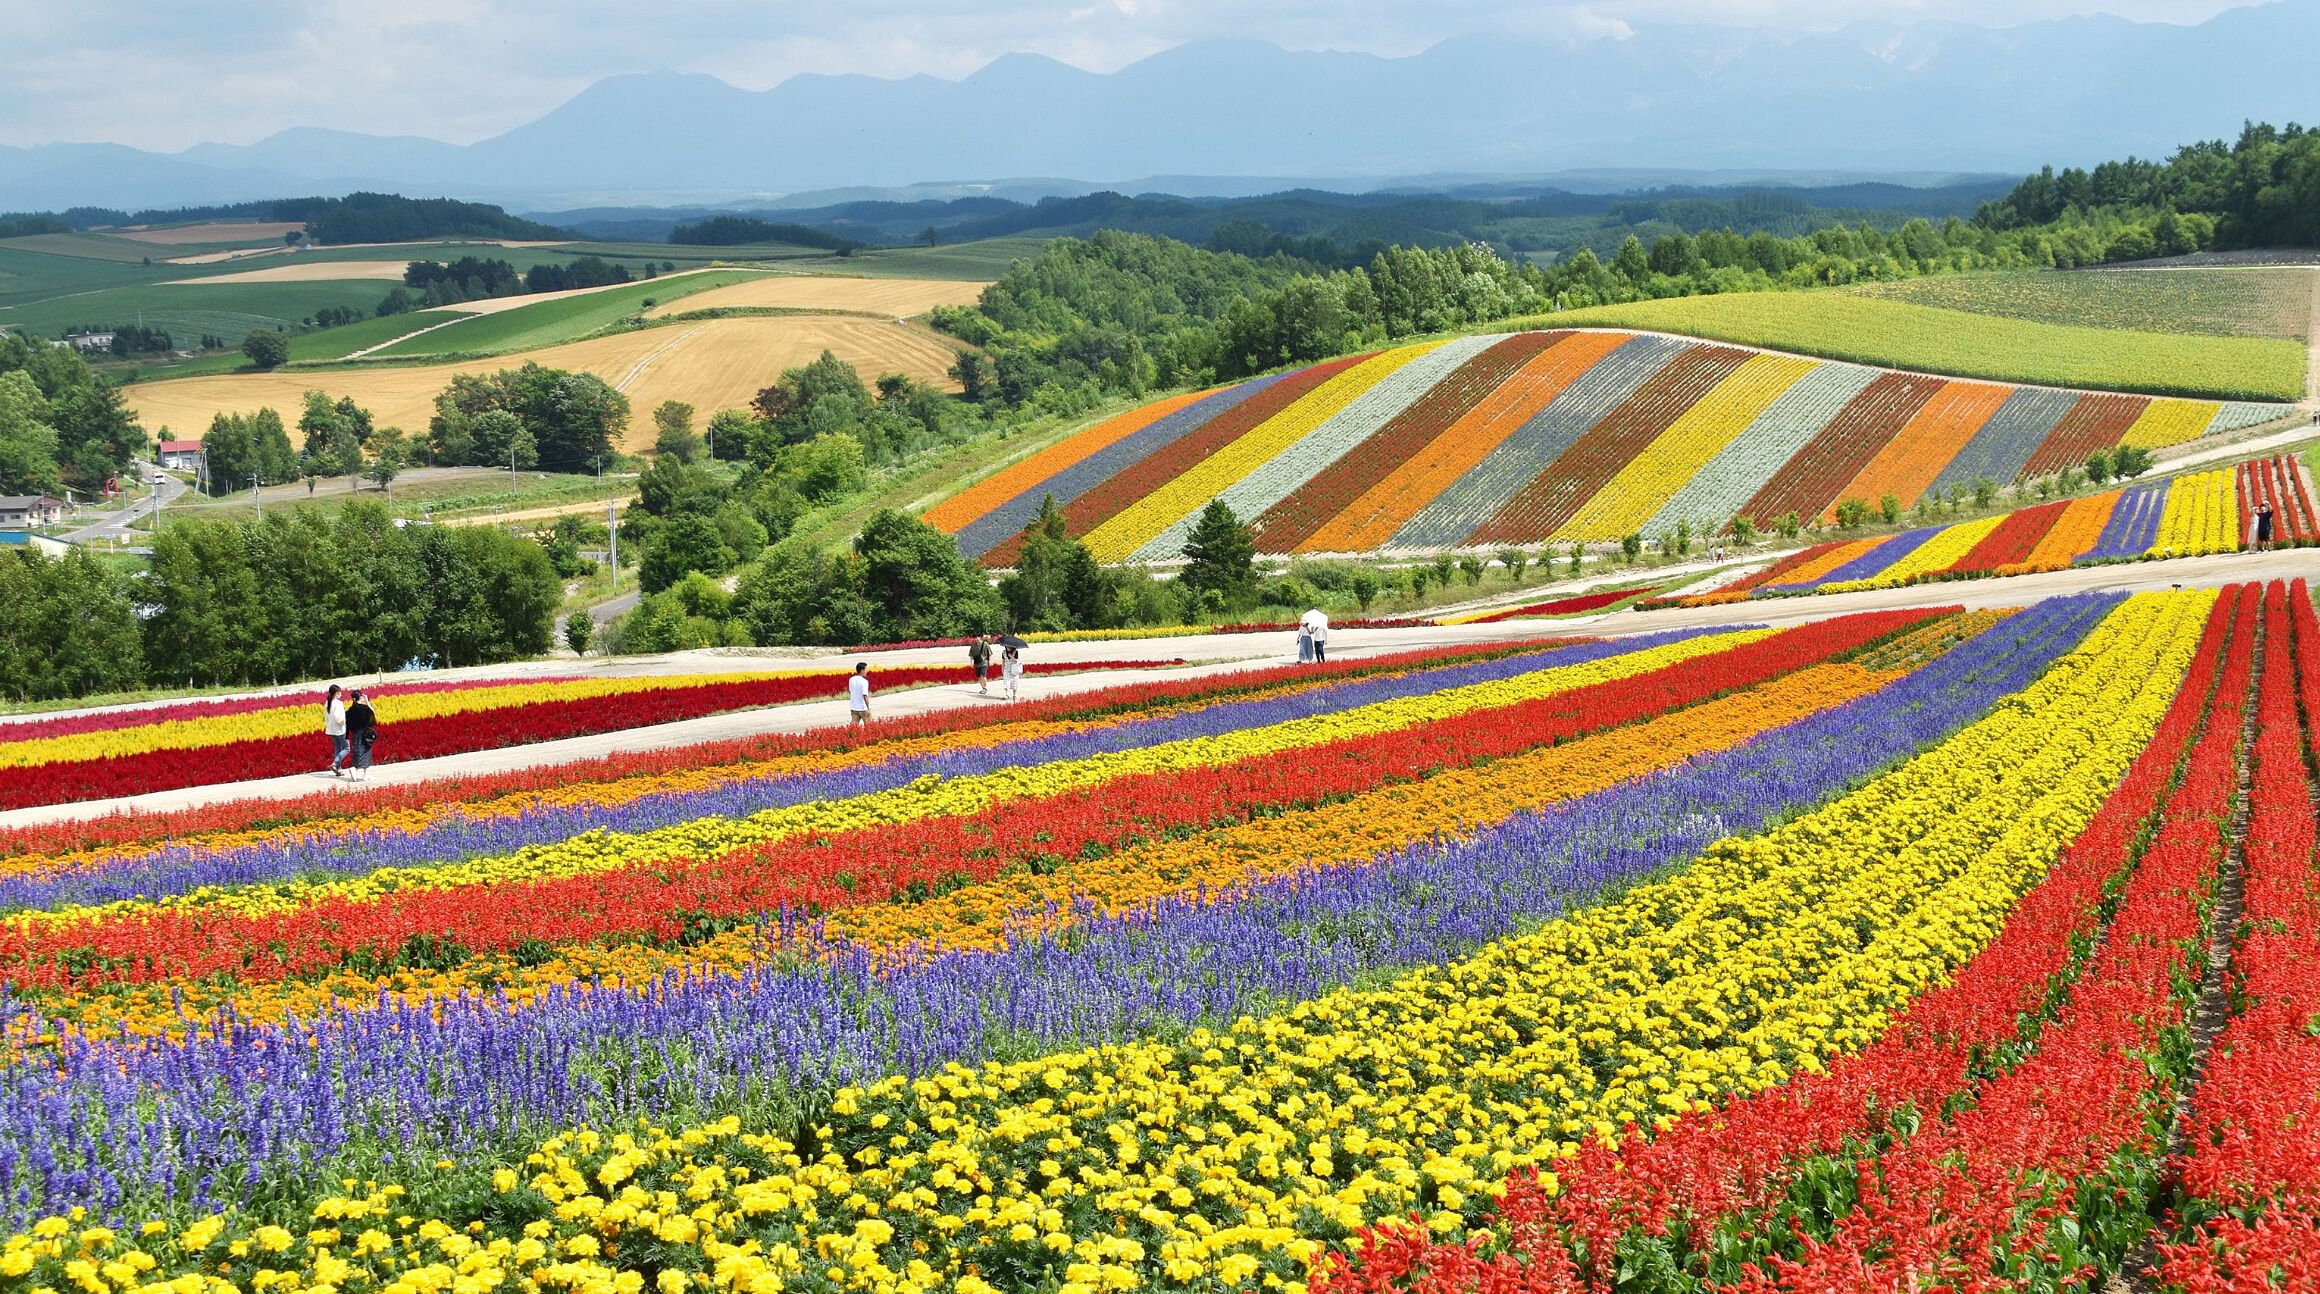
2196	514
1485	963
1555	435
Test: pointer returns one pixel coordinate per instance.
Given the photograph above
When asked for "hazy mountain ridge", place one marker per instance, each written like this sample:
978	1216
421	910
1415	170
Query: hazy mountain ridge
1878	96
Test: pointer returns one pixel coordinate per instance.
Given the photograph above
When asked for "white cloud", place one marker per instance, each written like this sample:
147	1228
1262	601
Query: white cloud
165	74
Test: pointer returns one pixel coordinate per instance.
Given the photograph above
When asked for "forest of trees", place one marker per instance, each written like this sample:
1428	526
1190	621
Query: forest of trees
736	231
390	218
244	449
470	278
355	218
336	438
549	418
429	285
2260	190
586	272
299	594
24	224
296	595
810	440
897	418
61	424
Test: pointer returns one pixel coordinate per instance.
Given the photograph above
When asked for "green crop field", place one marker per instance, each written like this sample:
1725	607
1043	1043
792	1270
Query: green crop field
548	323
227	310
28	276
973	262
106	247
1897	334
338	343
2213	302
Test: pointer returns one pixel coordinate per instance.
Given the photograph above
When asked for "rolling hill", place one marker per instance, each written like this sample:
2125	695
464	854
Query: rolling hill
1557	435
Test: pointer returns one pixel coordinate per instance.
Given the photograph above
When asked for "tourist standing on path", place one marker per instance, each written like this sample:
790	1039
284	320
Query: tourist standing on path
1317	622
1304	644
858	694
979	656
362	730
1011	668
2264	526
334	727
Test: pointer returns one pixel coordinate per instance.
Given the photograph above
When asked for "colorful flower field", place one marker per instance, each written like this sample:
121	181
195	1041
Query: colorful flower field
1560	435
198	743
2009	1128
1572	605
1853	955
2196	514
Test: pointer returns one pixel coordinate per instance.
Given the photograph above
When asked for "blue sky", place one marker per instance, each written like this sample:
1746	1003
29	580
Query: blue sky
164	74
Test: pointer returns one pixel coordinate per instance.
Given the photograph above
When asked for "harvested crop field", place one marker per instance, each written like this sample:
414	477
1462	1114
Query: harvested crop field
305	272
898	298
218	231
710	365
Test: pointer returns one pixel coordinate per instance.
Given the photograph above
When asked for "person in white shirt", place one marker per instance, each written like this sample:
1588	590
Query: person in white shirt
858	693
334	727
1316	623
1011	671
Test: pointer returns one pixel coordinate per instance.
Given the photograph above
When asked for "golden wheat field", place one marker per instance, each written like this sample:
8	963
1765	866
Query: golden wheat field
896	298
711	365
302	272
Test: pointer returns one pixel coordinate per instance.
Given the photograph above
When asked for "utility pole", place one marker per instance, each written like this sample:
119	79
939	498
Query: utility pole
612	528
255	501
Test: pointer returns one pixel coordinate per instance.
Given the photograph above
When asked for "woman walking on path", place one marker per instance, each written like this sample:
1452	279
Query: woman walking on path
1304	644
362	730
979	656
334	727
1011	669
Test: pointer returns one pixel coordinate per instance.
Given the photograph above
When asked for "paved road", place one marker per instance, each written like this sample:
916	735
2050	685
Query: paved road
117	525
606	612
1210	654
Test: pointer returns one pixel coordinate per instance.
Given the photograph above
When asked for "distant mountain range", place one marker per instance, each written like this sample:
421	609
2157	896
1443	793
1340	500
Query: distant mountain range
1870	98
1336	228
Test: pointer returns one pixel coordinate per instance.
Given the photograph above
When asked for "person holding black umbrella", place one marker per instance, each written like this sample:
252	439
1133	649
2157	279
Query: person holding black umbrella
1011	664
